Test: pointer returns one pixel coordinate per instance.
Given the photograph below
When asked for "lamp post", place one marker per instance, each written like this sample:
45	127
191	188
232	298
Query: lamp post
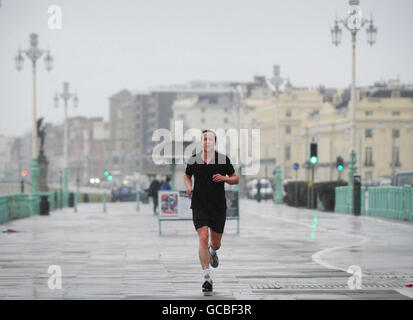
34	53
65	96
277	81
238	95
353	23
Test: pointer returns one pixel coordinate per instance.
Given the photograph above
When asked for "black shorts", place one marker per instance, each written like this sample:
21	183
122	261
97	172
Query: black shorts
215	219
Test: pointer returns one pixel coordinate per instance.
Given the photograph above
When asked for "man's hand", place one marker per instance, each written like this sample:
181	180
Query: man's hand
188	183
219	178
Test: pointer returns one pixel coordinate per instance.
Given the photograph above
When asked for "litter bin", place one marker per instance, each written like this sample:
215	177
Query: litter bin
357	194
71	200
44	206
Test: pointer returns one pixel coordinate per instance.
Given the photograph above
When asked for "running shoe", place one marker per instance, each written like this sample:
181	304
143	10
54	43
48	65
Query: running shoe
213	260
207	286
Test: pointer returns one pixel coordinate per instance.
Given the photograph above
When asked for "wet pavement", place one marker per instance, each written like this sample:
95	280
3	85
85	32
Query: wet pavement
280	253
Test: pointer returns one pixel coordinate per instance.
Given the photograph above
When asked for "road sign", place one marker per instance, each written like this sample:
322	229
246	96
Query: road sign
296	166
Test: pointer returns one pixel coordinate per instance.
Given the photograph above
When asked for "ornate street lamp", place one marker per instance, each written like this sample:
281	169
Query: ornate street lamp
34	53
65	96
275	84
353	23
336	34
371	33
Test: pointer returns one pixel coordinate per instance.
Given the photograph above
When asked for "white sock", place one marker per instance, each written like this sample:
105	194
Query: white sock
207	272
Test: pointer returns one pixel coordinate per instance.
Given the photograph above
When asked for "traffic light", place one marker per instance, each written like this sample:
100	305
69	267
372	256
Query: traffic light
108	175
313	153
24	173
340	163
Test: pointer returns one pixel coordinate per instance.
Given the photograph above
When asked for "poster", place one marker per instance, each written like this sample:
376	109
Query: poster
168	204
185	211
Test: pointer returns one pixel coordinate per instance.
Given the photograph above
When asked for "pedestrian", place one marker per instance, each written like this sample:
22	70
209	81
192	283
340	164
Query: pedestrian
153	192
210	170
165	184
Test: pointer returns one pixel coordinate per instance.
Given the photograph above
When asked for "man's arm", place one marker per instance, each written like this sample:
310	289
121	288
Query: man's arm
232	179
188	183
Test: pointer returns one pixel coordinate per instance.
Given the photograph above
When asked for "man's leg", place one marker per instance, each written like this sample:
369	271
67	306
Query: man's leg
204	259
203	247
215	244
215	240
155	204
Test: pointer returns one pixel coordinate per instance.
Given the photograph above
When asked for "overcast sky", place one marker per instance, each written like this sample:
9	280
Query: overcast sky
107	45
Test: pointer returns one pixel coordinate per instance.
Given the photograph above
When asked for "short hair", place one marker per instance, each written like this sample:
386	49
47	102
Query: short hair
209	130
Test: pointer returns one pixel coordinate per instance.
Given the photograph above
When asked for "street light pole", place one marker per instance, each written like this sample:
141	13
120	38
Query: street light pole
33	53
238	97
277	81
354	23
66	96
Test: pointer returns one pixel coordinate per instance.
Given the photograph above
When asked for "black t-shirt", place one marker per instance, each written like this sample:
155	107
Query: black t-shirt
207	194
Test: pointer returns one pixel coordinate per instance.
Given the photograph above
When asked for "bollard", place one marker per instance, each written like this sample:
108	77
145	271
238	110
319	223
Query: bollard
76	194
44	205
71	200
137	200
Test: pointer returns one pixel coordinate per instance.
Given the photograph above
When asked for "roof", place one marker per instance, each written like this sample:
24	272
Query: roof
121	95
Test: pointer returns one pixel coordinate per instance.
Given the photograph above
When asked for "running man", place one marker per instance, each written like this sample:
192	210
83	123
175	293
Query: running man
210	170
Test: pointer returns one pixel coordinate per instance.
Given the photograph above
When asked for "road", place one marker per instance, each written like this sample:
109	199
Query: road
280	253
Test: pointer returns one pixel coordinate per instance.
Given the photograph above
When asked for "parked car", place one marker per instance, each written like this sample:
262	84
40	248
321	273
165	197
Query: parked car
265	190
126	193
402	178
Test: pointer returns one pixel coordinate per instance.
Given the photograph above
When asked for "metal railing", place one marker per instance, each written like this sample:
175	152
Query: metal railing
391	202
384	201
16	206
342	200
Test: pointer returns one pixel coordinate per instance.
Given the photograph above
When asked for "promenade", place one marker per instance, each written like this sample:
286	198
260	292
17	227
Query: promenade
280	253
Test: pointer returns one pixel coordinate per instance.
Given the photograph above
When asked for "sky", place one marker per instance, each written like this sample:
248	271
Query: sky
105	46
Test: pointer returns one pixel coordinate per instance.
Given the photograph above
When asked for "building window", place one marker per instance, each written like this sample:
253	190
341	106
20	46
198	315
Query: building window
213	100
202	120
369	157
287	171
369	133
395	113
369	113
288	113
288	129
395	157
287	152
202	110
396	133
